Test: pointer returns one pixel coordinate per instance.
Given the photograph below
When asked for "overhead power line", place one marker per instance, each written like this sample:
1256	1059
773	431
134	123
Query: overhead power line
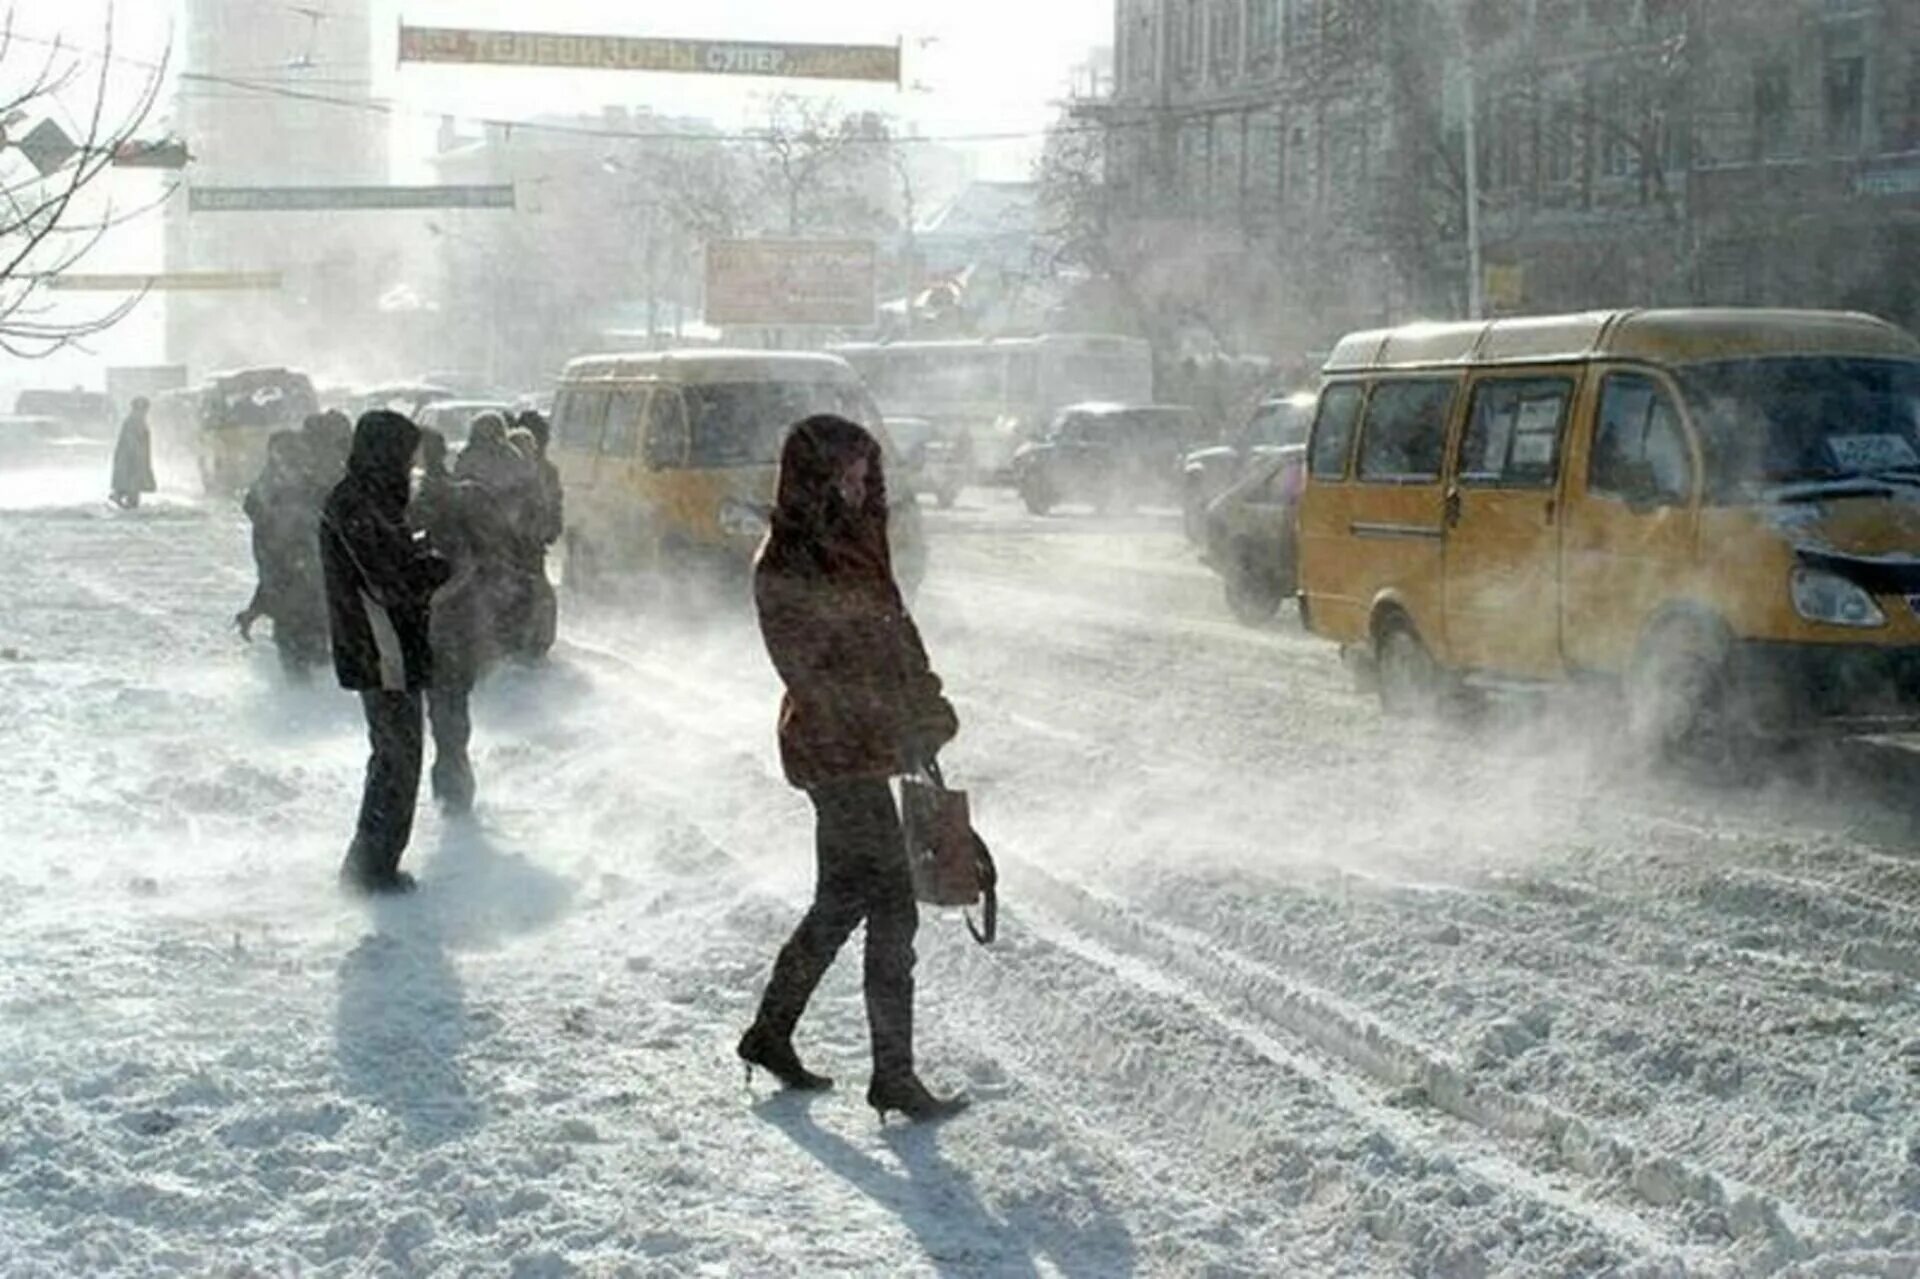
392	110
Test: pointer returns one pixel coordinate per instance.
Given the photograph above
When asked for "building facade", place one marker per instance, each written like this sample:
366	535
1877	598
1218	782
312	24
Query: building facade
282	95
1626	152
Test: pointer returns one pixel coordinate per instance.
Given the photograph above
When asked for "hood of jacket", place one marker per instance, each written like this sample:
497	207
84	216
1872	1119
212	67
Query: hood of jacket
812	525
382	457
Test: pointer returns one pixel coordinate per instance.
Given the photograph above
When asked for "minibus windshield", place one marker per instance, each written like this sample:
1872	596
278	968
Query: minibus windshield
1805	420
744	423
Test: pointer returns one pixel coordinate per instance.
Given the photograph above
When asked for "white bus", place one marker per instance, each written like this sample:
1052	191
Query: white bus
1000	392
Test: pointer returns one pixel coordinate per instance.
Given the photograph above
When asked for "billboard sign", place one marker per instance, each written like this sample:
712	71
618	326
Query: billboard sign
313	199
791	282
875	62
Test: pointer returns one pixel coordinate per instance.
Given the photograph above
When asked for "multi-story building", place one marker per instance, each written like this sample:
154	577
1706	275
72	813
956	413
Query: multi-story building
1306	161
282	95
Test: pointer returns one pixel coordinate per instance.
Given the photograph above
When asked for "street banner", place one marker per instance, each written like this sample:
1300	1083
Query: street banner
877	62
76	281
314	199
791	282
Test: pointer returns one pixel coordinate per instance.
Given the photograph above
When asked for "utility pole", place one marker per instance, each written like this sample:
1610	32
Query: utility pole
1476	276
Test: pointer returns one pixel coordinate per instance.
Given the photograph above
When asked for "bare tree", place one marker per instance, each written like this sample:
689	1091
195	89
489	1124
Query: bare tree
825	170
46	228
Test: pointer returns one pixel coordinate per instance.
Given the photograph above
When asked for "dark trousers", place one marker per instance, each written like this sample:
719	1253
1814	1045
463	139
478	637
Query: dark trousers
861	876
452	729
396	732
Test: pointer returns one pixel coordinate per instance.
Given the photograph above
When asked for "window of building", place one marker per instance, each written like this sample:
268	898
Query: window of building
1405	434
1196	34
1617	123
1300	24
1846	80
1559	140
1263	27
1224	38
1772	109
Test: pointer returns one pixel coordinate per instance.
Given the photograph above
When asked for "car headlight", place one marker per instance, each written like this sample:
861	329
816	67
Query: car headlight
742	519
1820	596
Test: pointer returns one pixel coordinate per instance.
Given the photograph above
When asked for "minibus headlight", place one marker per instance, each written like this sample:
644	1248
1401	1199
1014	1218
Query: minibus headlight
742	519
1820	596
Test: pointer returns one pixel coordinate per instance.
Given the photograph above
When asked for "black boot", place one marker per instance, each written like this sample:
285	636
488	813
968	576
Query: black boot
773	1053
906	1094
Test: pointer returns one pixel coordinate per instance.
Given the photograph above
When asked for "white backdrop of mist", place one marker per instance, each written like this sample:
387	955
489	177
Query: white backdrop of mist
972	67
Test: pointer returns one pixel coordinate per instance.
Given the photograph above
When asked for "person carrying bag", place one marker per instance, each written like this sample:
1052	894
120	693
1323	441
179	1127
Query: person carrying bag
950	864
862	706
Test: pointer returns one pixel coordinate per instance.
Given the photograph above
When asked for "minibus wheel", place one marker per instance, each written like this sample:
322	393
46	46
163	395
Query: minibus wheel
1676	691
1409	680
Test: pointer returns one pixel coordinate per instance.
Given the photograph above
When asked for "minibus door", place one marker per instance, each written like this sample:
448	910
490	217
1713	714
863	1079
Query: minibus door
1503	518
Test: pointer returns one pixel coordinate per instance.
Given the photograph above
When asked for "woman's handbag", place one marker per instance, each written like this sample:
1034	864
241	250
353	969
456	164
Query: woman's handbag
951	864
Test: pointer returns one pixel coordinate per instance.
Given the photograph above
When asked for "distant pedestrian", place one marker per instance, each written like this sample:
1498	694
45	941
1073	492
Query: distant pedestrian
443	510
380	581
283	505
331	435
508	478
543	521
862	705
133	458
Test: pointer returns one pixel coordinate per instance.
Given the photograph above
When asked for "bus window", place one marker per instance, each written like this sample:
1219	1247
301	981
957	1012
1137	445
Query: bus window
667	430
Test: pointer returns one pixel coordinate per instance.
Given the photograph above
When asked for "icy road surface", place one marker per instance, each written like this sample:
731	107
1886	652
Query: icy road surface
1283	989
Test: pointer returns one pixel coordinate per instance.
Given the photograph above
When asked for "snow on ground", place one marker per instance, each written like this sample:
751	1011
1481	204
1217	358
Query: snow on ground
1282	988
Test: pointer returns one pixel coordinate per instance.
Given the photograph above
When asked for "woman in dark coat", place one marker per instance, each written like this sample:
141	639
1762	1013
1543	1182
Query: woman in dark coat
443	509
862	705
133	458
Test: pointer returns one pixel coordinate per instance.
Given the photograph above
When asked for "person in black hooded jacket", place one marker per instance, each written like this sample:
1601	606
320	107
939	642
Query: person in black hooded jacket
380	582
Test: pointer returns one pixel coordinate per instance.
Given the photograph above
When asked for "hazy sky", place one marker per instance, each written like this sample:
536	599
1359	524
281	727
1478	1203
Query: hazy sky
972	66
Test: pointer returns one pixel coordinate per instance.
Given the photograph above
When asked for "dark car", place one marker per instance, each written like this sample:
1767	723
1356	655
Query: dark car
1252	534
933	460
1111	456
1278	423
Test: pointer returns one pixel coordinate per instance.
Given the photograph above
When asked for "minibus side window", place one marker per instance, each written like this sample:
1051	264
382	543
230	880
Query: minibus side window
1513	434
623	423
566	419
1333	431
1638	442
1405	433
667	440
588	410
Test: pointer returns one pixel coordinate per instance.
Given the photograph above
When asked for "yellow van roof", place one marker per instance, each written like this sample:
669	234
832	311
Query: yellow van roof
1659	337
694	367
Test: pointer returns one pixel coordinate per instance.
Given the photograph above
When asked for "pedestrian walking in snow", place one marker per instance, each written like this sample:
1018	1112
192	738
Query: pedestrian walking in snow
542	523
508	479
862	705
133	458
444	510
380	581
283	505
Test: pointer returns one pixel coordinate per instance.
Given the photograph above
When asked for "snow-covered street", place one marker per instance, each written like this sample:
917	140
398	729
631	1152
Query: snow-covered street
1282	988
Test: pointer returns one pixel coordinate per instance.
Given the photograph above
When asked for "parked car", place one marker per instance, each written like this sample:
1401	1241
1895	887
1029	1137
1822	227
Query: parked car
1715	510
1252	534
931	461
1278	423
1112	456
